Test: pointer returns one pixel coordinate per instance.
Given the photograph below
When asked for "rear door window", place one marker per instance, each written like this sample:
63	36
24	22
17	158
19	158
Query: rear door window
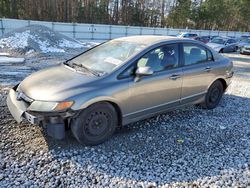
194	54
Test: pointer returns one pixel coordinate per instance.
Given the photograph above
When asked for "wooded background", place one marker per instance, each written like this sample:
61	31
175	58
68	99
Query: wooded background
192	14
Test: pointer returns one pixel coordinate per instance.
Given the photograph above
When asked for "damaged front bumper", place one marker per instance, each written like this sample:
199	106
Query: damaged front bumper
53	121
18	109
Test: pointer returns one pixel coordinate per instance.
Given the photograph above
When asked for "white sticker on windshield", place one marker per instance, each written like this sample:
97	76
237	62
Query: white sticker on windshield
113	61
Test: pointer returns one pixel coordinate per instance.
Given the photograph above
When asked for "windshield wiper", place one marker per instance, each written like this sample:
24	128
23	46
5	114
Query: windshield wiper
95	73
86	68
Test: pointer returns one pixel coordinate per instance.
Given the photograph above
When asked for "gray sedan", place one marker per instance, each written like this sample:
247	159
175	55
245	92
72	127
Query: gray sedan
244	46
120	82
223	44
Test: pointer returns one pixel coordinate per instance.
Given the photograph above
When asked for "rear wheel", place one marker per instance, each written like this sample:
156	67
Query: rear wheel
213	96
95	124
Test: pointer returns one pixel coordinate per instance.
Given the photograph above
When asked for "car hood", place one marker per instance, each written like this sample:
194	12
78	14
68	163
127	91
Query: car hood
247	46
215	46
241	44
55	84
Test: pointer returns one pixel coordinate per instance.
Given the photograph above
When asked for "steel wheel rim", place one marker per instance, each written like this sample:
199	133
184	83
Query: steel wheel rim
214	95
97	124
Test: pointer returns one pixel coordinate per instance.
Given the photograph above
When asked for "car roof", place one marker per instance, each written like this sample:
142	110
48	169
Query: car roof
187	33
223	37
228	37
150	39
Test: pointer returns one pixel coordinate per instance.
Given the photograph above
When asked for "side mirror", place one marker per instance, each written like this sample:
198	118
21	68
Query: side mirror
143	71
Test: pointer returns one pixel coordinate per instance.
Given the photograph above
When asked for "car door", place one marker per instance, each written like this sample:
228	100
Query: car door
161	89
198	71
230	45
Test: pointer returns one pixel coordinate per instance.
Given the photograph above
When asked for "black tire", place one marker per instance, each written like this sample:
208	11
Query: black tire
95	124
221	51
213	96
236	48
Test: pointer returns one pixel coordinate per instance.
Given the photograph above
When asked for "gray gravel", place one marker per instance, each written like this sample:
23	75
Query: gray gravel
190	147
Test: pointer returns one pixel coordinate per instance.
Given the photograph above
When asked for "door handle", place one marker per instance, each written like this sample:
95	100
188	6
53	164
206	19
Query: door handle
208	69
174	76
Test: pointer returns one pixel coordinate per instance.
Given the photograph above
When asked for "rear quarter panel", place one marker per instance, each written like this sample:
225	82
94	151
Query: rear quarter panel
223	67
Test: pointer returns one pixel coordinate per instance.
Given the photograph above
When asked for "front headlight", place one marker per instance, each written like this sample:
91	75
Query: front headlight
43	106
63	105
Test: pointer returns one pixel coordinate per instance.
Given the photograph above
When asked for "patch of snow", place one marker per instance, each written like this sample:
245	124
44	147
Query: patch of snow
90	44
30	52
45	47
5	59
18	40
38	39
69	44
4	54
13	73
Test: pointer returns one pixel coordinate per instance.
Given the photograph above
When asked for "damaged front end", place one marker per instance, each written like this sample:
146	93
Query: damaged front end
54	116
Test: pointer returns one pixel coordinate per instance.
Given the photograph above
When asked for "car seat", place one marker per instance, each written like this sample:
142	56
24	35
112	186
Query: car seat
195	56
169	60
154	62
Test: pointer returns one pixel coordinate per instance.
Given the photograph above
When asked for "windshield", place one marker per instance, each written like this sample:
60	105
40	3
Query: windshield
108	56
218	41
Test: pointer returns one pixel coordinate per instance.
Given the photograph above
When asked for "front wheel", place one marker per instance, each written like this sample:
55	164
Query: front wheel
213	96
95	124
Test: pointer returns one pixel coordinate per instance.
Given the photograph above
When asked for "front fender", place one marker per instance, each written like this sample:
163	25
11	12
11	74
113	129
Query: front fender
218	49
91	101
116	92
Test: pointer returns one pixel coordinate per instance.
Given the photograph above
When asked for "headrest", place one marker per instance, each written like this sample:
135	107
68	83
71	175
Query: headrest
168	50
195	51
153	56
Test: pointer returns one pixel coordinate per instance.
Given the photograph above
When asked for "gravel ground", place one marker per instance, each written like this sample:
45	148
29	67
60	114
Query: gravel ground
190	147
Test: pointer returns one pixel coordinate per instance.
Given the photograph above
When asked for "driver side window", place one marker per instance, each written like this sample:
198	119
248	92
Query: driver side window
161	58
